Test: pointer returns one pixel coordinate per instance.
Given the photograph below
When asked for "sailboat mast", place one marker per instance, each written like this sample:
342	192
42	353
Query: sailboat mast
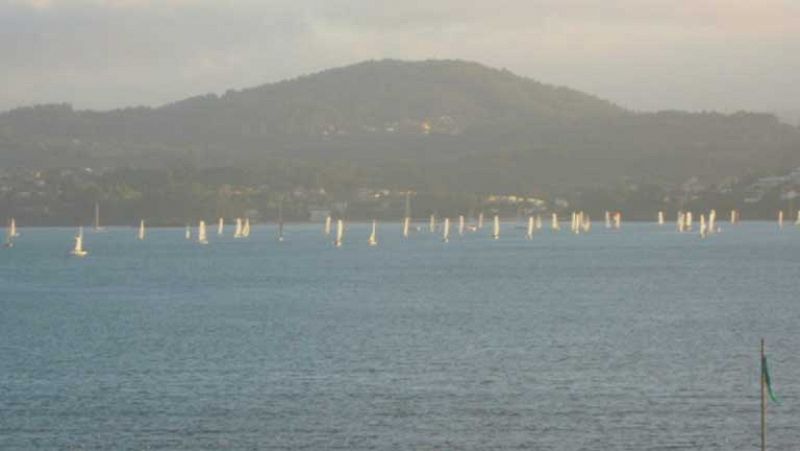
97	216
280	220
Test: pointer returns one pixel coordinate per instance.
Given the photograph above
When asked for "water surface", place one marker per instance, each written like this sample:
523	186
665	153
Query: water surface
639	339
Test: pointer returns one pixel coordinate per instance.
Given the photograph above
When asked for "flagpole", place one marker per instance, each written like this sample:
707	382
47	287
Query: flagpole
763	402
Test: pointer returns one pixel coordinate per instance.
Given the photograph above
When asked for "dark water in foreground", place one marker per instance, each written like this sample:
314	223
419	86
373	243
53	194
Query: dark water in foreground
642	339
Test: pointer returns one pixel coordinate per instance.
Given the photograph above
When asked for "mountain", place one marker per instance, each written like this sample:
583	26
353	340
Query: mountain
448	125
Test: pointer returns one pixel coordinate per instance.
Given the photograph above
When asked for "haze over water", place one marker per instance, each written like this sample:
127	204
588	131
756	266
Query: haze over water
634	339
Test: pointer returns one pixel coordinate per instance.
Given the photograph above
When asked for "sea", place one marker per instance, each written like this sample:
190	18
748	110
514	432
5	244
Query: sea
633	339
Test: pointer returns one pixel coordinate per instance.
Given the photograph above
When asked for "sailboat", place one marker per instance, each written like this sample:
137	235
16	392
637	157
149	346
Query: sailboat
78	250
703	229
97	227
660	218
496	227
554	224
680	222
780	219
188	233
141	230
586	222
446	230
407	215
246	228
237	232
797	221
617	220
9	236
688	221
327	229
573	225
201	233
373	237
432	225
280	221
339	233
712	221
480	220
221	227
461	224
734	217
12	226
531	225
608	219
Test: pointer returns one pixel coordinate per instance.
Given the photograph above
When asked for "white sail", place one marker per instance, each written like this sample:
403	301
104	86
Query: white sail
586	223
13	229
496	227
554	224
797	221
460	225
446	230
9	242
373	237
608	219
246	228
237	232
339	233
188	233
531	225
327	229
221	227
780	219
688	223
78	250
733	216
406	226
202	238
480	220
573	225
703	229
432	225
712	222
141	230
617	220
660	218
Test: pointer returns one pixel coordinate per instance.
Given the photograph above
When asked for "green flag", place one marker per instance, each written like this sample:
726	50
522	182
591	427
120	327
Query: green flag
768	380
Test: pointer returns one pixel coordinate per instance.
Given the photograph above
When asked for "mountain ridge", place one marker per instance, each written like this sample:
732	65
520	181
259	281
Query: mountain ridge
448	118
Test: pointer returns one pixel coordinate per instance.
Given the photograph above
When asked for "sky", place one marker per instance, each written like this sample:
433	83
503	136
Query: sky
724	55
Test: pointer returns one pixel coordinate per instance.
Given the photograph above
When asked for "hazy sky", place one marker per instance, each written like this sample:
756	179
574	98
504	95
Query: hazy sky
643	54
